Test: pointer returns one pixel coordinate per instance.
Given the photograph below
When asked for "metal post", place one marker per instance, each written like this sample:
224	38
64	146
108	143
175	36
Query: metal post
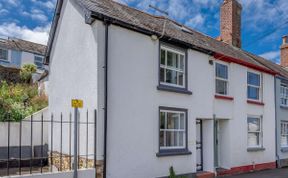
70	128
95	141
75	142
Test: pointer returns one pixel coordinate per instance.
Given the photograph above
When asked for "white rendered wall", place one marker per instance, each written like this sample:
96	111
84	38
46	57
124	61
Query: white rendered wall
133	106
237	111
26	131
73	75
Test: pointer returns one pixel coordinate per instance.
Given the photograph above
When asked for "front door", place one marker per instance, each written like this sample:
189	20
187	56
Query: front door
199	145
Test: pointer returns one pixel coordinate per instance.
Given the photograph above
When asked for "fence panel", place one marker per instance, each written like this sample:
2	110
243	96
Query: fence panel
44	143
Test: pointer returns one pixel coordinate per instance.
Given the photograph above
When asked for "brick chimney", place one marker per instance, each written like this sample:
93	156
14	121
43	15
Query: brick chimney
284	52
231	22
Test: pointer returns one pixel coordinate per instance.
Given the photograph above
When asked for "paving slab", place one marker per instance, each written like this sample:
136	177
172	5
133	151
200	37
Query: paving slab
275	173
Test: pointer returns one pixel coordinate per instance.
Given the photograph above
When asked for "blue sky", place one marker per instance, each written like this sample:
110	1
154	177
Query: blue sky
263	21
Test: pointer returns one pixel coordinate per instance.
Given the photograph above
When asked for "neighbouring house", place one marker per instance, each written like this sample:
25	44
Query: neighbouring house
281	103
15	53
166	95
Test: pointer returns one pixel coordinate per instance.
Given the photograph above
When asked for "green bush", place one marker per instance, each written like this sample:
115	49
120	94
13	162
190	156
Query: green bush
18	101
26	72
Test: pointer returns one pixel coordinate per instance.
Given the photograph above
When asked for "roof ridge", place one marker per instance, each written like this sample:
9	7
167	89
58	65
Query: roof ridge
172	20
126	6
13	39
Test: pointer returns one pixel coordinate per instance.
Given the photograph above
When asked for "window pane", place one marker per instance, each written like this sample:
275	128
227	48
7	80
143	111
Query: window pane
221	71
181	138
180	78
163	57
253	79
172	121
253	139
253	93
181	62
162	75
284	141
172	59
171	138
3	54
161	139
162	120
253	124
171	76
182	121
221	87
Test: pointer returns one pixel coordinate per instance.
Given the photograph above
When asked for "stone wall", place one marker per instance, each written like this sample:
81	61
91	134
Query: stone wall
9	74
68	160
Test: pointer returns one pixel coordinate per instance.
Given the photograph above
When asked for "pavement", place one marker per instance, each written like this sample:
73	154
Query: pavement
275	173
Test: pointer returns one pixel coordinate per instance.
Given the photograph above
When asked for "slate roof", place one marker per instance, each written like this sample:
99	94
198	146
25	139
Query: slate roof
154	24
275	67
22	45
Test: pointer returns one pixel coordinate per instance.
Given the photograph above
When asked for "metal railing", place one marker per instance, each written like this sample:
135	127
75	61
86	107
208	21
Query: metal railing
44	144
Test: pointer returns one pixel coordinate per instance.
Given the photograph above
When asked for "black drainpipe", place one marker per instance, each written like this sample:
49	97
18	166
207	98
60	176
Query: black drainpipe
106	23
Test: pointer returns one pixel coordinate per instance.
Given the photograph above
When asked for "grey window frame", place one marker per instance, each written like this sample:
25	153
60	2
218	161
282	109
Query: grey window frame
163	87
7	55
173	152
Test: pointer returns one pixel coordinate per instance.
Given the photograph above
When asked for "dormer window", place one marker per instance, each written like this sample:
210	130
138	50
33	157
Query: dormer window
172	67
4	54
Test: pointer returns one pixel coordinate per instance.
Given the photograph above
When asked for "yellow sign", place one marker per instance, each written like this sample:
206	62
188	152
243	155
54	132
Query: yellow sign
77	103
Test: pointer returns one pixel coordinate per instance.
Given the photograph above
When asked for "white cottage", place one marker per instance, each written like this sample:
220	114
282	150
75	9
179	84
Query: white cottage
166	95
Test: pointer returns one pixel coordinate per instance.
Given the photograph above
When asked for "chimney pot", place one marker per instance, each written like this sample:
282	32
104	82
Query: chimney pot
285	39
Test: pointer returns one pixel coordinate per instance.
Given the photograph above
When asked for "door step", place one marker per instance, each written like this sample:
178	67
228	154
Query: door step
223	172
205	175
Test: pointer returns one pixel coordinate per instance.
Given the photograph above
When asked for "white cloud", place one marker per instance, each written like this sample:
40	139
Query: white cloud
39	15
4	11
38	35
13	2
50	4
272	55
196	21
36	14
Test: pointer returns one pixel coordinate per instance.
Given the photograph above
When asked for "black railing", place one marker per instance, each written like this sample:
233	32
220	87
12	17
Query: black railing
46	153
